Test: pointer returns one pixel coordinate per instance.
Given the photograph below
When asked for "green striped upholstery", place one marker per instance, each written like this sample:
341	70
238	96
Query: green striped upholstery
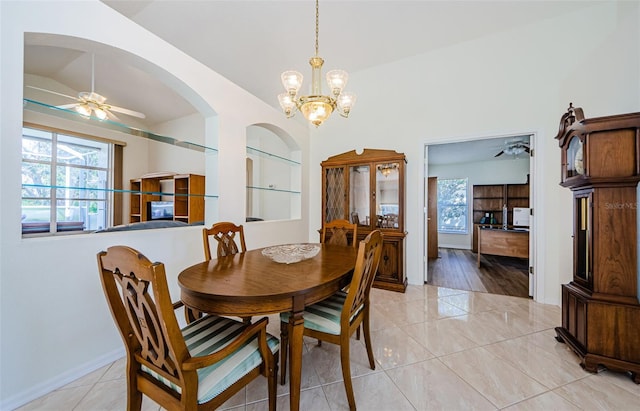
209	334
323	316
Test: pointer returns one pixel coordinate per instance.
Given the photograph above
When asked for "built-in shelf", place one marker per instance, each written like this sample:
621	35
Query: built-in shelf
187	196
262	153
40	107
490	198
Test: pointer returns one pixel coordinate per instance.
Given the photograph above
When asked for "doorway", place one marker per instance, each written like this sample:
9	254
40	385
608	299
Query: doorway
495	160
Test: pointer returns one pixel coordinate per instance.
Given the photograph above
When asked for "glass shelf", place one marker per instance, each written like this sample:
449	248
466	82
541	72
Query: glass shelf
43	108
262	153
273	189
113	190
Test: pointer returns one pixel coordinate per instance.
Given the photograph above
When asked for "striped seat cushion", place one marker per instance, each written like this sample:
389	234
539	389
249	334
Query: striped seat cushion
209	334
323	316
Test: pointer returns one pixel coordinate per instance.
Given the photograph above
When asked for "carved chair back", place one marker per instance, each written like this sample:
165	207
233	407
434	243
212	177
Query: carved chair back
159	363
225	234
338	232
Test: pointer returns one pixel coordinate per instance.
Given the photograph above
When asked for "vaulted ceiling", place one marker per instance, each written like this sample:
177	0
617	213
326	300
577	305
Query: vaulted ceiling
252	42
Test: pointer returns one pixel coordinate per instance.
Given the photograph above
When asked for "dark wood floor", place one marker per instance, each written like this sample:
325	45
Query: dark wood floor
458	269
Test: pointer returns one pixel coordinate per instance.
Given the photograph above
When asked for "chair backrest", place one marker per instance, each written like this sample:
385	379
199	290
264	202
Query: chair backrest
224	232
367	261
147	322
338	231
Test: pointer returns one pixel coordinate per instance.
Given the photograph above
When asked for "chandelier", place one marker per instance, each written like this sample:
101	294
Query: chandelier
316	107
387	169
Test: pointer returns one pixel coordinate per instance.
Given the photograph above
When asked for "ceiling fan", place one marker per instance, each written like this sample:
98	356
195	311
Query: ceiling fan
514	148
89	102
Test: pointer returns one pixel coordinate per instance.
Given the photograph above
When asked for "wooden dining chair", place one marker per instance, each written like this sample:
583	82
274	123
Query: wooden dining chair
225	234
335	319
198	367
338	232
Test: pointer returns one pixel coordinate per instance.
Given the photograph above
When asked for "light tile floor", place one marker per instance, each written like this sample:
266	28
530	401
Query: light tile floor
435	349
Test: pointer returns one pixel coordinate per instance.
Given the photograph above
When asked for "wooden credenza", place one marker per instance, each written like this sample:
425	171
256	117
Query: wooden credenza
509	243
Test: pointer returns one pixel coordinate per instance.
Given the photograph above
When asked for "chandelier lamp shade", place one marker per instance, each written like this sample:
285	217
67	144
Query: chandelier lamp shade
316	107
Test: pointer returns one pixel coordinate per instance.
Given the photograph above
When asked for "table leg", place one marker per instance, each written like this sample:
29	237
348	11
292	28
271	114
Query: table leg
296	331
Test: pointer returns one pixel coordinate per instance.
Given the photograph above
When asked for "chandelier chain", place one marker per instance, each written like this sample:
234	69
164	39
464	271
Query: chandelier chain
317	25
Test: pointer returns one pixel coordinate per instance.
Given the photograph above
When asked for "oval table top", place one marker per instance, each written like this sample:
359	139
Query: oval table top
249	283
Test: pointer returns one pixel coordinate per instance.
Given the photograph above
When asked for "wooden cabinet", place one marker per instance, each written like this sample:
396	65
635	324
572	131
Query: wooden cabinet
509	243
490	198
185	191
600	307
368	189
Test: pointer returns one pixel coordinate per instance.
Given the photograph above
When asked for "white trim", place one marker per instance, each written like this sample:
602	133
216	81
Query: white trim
535	166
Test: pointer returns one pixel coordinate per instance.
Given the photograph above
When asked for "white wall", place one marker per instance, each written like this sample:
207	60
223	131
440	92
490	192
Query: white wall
54	321
511	83
513	171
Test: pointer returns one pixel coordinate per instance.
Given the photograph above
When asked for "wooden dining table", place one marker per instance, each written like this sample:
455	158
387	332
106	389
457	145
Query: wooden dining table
251	284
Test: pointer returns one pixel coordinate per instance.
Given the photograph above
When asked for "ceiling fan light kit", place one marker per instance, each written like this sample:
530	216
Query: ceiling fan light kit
90	103
514	148
316	107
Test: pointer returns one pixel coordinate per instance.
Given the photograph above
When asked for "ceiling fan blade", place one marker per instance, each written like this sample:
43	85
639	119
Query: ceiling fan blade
52	92
112	116
127	111
499	154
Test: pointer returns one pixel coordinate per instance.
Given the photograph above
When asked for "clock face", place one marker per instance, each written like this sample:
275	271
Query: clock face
578	161
575	158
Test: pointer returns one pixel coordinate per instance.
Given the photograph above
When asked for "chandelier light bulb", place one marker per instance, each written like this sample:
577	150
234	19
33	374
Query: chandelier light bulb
292	81
287	104
345	102
337	80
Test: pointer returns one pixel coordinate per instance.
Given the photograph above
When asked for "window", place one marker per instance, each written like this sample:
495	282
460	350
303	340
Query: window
452	205
67	182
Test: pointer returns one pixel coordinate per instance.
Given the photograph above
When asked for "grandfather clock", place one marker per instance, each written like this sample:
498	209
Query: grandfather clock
600	307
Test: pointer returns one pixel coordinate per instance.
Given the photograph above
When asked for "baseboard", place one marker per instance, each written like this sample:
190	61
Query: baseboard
37	391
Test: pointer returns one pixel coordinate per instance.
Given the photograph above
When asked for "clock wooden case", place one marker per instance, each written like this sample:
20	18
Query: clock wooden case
368	189
600	307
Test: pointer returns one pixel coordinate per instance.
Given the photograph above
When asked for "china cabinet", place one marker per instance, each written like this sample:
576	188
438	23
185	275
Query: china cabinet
368	189
600	307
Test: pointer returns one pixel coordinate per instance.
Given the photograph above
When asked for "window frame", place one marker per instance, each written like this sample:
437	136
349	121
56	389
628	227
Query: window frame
465	218
112	199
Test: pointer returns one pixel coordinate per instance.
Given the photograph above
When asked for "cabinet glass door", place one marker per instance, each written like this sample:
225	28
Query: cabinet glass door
359	189
582	242
334	194
387	195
